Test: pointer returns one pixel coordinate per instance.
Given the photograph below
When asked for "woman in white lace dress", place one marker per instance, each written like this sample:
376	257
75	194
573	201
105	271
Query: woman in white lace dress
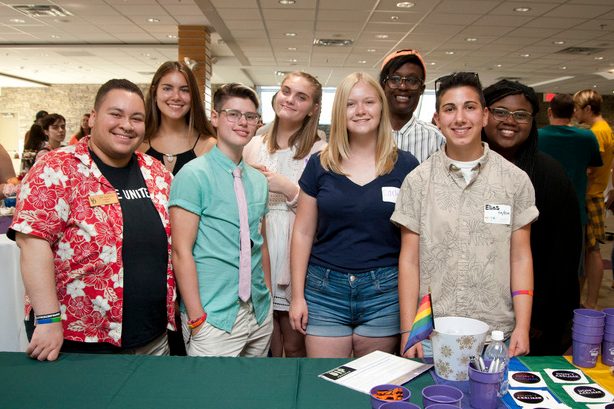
281	154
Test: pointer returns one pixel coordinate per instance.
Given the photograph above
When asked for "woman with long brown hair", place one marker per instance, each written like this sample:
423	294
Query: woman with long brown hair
176	127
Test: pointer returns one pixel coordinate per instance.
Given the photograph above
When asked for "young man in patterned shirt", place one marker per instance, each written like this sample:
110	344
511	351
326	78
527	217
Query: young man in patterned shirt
465	216
93	227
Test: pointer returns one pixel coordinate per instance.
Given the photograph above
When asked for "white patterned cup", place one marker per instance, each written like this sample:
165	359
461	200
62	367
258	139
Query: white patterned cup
455	339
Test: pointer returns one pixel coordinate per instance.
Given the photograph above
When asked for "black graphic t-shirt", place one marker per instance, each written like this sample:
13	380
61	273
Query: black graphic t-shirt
144	256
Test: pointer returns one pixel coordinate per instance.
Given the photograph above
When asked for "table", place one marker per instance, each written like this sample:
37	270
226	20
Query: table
124	381
12	333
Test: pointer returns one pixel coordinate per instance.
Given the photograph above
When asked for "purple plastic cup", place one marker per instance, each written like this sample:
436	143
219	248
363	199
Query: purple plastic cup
377	403
584	354
609	316
591	318
608	336
441	406
588	339
441	394
607	353
484	388
587	330
399	405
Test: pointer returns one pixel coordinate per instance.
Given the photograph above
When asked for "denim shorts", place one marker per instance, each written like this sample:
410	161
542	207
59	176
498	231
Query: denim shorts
341	304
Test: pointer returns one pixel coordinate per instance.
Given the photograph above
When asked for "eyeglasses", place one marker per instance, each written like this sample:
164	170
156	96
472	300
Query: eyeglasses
501	114
395	81
234	115
465	78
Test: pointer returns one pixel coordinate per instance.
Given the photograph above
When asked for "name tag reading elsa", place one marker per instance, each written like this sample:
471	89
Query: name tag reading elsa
390	194
497	214
102	200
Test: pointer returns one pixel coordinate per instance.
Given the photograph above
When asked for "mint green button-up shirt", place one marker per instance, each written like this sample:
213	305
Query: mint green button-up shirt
204	187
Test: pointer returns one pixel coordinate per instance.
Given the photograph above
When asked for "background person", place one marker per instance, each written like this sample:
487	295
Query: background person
84	129
54	127
281	155
36	141
37	120
7	175
588	111
345	251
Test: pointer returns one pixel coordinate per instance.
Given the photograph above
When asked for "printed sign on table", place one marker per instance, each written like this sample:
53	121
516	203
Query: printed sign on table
524	379
566	375
590	393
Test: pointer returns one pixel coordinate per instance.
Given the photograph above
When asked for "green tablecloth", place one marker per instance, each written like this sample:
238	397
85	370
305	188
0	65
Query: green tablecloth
123	382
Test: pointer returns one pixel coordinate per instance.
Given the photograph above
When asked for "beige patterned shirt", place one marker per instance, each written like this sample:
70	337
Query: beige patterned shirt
464	260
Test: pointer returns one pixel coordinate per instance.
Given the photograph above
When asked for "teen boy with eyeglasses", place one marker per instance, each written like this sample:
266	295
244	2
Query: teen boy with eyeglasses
220	257
402	76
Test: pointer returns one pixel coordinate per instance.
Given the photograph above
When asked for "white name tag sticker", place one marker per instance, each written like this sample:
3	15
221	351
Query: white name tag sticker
497	214
390	194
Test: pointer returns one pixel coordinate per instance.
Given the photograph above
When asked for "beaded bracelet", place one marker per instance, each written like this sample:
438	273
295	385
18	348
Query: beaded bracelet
197	322
522	292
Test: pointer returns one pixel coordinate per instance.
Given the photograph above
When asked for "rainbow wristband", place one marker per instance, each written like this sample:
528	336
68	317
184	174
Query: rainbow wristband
47	320
522	292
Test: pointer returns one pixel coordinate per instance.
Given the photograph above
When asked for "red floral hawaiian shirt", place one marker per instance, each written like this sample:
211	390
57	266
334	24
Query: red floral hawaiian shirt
54	204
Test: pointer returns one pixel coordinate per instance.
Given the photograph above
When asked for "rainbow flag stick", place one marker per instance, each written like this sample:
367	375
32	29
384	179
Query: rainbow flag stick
423	324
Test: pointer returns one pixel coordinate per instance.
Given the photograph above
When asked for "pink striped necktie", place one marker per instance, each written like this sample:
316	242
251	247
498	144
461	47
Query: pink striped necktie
245	258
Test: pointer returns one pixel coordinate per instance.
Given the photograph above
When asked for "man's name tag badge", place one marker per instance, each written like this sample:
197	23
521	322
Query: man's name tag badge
103	200
497	214
390	194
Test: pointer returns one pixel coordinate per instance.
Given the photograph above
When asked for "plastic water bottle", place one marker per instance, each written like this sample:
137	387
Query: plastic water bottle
497	355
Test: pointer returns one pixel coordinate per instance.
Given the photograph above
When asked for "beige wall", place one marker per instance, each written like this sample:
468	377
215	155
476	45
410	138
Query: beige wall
71	101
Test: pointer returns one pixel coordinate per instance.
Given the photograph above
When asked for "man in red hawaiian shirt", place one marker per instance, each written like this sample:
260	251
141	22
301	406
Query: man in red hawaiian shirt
93	227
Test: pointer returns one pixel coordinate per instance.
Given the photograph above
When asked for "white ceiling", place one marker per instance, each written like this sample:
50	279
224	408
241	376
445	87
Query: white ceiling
112	38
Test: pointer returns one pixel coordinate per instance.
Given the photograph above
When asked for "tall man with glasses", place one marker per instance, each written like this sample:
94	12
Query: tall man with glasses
218	204
402	76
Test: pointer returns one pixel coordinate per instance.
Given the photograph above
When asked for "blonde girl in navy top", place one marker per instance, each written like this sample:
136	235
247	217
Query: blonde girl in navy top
345	250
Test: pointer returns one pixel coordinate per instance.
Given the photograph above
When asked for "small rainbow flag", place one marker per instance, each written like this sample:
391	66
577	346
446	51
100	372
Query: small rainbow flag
423	323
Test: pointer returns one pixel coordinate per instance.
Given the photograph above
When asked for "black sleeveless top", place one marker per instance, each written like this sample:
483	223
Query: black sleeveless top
180	159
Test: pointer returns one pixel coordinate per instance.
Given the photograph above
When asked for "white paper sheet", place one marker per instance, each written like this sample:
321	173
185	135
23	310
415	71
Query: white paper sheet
376	368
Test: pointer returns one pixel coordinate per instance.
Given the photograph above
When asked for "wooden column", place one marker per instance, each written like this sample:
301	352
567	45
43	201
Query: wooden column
194	43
